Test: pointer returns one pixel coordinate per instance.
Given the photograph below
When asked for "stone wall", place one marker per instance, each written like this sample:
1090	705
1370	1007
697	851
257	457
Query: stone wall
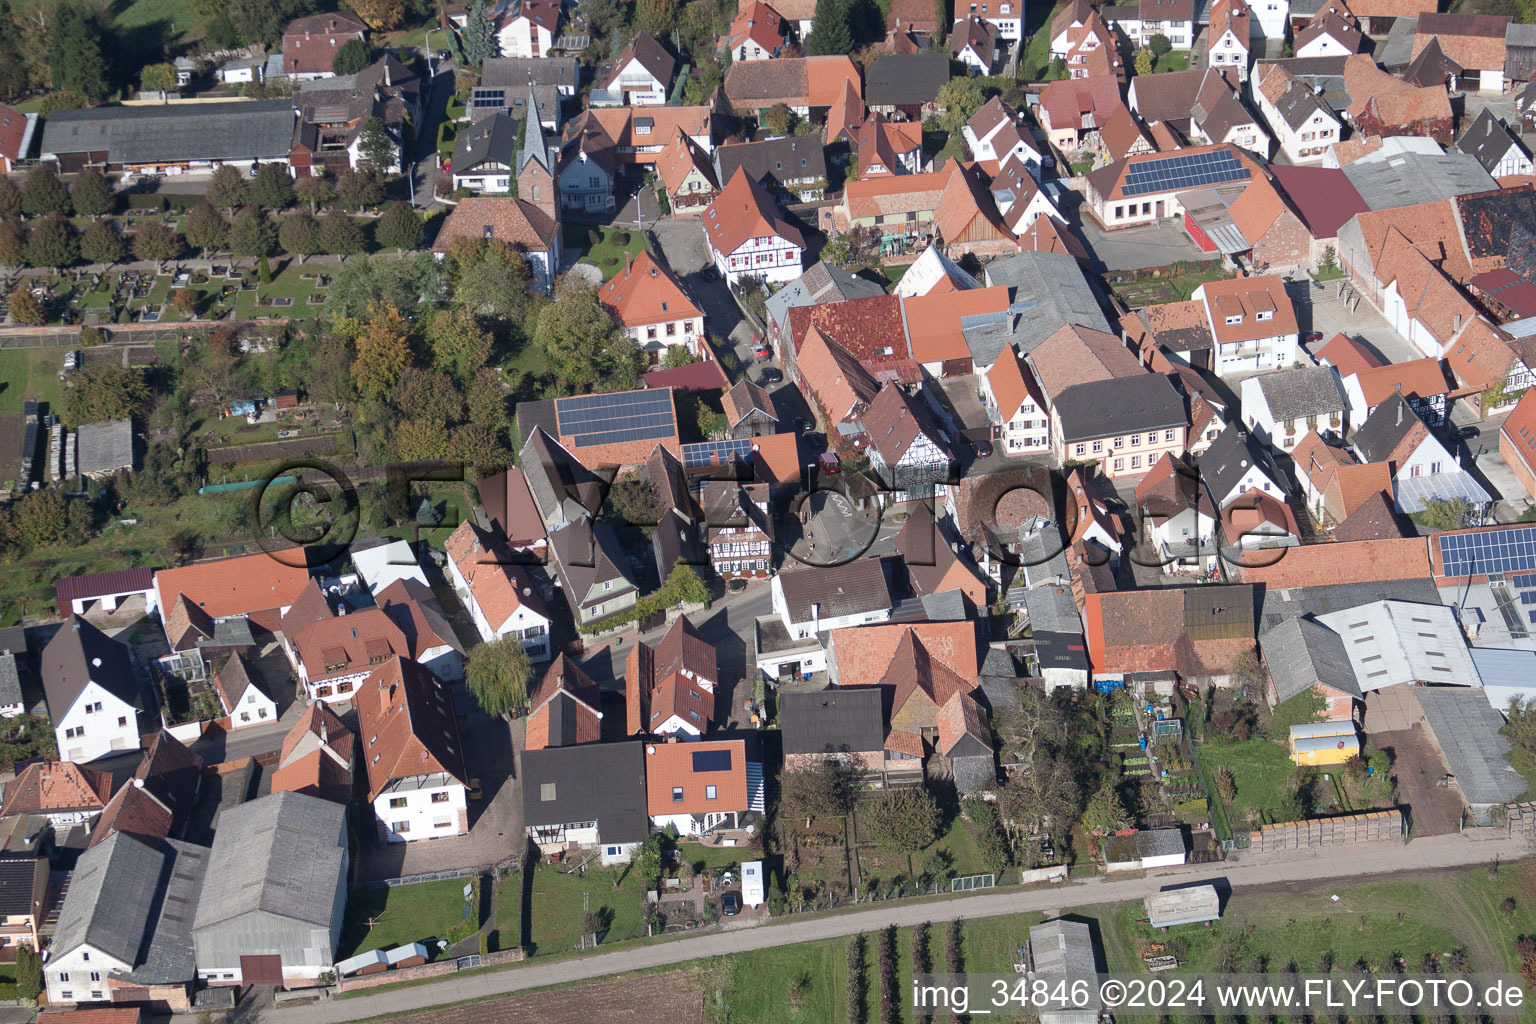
1520	819
1343	830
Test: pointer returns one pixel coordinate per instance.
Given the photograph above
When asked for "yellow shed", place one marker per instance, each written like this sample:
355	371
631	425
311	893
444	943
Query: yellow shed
1324	743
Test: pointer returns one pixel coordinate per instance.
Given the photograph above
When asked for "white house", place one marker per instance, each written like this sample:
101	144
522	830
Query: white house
1235	463
812	599
1280	407
94	698
526	28
1304	126
999	132
409	737
1007	16
1271	16
973	42
241	69
591	796
1015	406
501	597
383	564
245	703
430	639
1500	153
757	33
641	75
748	237
1228	36
1019	198
1252	321
699	788
1177	516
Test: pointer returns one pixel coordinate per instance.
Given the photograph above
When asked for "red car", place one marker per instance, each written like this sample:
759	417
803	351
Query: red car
762	352
829	462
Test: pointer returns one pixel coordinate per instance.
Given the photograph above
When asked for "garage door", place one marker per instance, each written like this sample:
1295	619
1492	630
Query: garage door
261	970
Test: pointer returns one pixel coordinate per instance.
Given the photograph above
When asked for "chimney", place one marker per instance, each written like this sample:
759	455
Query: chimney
1399	413
628	262
1456	323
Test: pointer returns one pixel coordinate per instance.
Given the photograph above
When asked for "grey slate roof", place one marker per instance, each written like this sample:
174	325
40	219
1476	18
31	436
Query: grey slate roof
1487	139
135	902
1417	178
586	554
1120	405
858	586
78	654
1397	52
535	147
1223	464
18	881
520	71
105	447
163	134
1297	105
1281	605
282	855
10	680
1046	290
490	140
1052	610
829	721
602	782
1301	652
1301	391
905	79
1467	730
1385	428
772	162
821	284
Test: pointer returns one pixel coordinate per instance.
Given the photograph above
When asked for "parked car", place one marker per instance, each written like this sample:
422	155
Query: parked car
829	462
709	273
730	904
771	376
983	449
1312	337
1464	433
476	791
762	352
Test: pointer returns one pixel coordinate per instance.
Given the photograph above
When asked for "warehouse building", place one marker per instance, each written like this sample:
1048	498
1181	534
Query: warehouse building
173	139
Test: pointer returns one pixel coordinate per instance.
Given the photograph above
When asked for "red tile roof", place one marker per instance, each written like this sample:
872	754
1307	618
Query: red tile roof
1347	355
670	766
234	586
1323	197
564	680
49	787
410	711
1080	355
1249	296
1319	565
1418	378
499	588
933	321
135	811
864	652
647	292
1519	430
864	328
743	211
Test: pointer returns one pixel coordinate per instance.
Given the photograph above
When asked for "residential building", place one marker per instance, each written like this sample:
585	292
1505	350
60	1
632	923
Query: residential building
846	724
1077	355
1495	147
1006	16
561	488
654	307
412	753
509	506
1257	522
905	83
1197	632
65	793
586	798
505	83
1142	189
316	756
1253	322
593	571
484	153
605	143
1092	51
748	238
1333	483
908	451
23	903
93	694
748	411
1073	110
1299	120
973	42
1237	463
332	653
888	147
739	528
133	810
821	284
124	932
1420	381
1073	16
797	14
310	43
1301	655
1333	32
640	77
1383	105
1227	39
565	708
686	176
500	596
669	689
1177	517
274	893
245	703
525	28
429	637
18	136
1282	406
1423	469
999	132
1475	41
333	113
1126	423
792	169
699	788
1517	442
1015	405
525	226
811	599
758	33
806	85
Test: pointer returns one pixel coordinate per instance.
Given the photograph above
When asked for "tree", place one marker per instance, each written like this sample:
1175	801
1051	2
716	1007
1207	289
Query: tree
75	57
91	193
683	587
459	345
1449	514
383	352
13	243
104	391
25	309
376	147
635	502
14	75
647	861
821	789
315	189
1160	45
351	57
399	228
29	973
358	189
340	234
156	240
1042	795
1226	783
184	301
427	394
943	19
658	17
487	400
271	188
779	120
587	347
831	31
101	244
252	233
1143	61
479	35
10	197
380	15
960	98
54	242
43	192
205	228
497	674
904	820
157	78
1105	811
299	235
495	283
41	517
421	439
227	189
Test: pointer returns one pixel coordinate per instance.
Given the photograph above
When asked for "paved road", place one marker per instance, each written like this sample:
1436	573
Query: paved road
1254	870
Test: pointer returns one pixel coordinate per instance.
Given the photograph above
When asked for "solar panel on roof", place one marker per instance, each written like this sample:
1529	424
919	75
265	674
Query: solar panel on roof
711	761
1506	550
1174	173
615	418
705	453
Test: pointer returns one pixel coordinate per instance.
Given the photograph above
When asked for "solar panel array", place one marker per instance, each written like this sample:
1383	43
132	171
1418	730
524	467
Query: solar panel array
1489	551
613	419
1174	173
705	453
711	760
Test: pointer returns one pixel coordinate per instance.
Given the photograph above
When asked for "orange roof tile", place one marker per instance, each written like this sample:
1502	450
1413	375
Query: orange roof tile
933	321
1249	296
49	787
499	588
1519	430
646	292
1010	384
673	766
406	713
1418	378
743	211
579	716
681	158
1319	565
1347	355
234	586
864	652
133	810
1080	355
348	644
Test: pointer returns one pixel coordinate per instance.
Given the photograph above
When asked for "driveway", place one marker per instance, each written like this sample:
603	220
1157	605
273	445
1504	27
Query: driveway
681	241
1322	310
1395	723
424	168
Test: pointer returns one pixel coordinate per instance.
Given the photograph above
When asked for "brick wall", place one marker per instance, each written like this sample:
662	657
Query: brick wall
1286	242
1343	830
447	965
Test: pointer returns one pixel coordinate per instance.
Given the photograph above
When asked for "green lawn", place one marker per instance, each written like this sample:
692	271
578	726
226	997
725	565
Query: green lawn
30	374
1037	52
607	254
407	913
509	909
1173	60
558	904
1262	771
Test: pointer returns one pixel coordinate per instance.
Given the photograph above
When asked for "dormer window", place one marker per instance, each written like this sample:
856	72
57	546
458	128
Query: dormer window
1235	318
1265	314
